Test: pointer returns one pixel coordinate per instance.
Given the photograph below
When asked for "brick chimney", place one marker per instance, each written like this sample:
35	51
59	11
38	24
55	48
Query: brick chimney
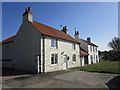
27	15
88	39
65	30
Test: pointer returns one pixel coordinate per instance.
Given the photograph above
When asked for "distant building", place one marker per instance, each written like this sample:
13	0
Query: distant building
40	48
89	48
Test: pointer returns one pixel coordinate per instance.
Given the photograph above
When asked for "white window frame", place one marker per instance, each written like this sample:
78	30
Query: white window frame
91	57
74	58
91	48
54	43
55	62
96	49
96	57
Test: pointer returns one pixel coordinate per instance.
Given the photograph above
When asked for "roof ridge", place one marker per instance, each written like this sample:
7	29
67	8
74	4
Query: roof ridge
89	42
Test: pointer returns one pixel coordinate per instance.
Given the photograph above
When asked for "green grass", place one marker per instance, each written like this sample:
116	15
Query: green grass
103	66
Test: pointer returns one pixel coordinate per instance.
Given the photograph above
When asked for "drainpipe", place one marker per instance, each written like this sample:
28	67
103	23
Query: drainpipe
43	53
80	56
39	56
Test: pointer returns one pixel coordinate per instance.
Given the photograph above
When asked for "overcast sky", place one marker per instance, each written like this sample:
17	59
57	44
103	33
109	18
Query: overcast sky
98	20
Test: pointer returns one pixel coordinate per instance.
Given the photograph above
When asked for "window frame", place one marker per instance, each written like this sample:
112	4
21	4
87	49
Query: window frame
96	57
54	43
91	56
96	49
55	59
91	48
74	58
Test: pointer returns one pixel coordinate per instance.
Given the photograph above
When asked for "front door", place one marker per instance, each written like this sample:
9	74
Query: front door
65	62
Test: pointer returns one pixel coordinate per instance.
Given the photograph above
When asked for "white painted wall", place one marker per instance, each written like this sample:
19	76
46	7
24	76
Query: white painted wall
93	53
27	44
84	45
63	46
83	61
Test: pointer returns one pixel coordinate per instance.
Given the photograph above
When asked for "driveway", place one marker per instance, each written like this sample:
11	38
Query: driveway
63	79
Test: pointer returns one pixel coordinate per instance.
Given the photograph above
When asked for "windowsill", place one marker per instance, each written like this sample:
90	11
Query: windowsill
53	65
74	61
54	48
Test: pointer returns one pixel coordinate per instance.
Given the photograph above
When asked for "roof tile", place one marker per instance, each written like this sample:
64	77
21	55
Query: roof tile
47	30
10	39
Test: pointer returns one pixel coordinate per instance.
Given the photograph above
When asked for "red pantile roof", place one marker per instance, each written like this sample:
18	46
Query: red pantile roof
47	30
83	52
10	39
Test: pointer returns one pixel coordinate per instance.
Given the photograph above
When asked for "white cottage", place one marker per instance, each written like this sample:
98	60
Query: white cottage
40	48
89	51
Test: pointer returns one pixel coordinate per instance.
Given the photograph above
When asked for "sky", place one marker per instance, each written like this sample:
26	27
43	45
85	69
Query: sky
97	20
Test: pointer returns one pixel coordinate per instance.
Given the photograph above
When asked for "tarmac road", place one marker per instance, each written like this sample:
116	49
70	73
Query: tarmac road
64	79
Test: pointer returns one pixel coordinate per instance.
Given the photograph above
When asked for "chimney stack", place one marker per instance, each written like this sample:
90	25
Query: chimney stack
27	15
65	30
88	39
76	35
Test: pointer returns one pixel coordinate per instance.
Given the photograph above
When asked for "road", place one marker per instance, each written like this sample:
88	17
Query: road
63	79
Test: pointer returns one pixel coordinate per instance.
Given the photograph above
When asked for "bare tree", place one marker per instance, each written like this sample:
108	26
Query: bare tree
115	44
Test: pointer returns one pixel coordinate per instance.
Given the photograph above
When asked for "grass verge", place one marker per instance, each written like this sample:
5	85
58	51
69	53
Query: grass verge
104	66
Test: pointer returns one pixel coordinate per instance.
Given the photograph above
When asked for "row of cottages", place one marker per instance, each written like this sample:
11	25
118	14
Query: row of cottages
40	48
89	51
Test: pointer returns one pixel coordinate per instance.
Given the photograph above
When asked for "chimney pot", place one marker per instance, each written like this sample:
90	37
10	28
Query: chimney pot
76	35
27	15
29	9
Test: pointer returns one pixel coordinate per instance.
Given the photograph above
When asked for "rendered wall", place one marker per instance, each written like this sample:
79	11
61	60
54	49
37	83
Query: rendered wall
93	53
26	47
63	46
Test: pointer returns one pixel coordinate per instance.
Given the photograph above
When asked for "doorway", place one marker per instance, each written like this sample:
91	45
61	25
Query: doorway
65	62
